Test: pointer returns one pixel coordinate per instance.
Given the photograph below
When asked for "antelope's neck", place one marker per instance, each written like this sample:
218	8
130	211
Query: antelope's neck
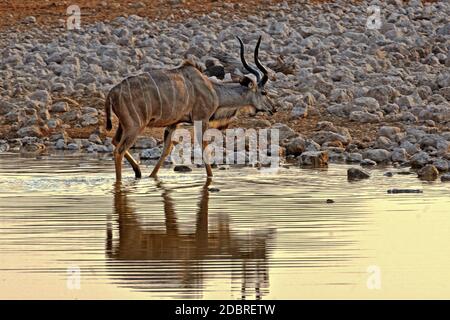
231	95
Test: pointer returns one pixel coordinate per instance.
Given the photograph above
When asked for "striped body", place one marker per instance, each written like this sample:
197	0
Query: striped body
162	98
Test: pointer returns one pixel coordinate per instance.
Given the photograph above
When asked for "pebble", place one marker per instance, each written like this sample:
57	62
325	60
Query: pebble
182	168
354	174
395	191
314	159
152	153
428	173
368	162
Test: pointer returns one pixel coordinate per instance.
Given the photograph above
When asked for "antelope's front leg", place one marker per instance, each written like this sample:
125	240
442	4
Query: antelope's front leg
204	144
168	132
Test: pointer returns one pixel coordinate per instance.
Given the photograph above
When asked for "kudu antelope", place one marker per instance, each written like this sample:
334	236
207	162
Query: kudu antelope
166	98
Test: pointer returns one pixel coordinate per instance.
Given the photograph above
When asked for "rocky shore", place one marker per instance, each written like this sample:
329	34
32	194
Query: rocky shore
344	92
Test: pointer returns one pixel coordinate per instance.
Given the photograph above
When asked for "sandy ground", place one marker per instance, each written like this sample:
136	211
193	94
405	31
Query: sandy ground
49	12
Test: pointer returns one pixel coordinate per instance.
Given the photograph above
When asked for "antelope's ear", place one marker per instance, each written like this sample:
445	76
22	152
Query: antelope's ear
248	82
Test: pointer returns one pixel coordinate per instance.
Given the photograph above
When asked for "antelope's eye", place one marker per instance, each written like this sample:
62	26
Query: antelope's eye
264	93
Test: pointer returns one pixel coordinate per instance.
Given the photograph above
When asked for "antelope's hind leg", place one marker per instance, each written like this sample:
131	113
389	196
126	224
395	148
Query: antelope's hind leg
168	132
123	142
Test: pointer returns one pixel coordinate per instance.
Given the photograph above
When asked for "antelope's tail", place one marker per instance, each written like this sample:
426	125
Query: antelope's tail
108	107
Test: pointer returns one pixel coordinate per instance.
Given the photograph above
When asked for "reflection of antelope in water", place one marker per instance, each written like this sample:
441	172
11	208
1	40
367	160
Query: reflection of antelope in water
156	260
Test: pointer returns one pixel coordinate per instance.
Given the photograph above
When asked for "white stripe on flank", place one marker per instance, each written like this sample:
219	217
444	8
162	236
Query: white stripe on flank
110	107
145	99
187	90
159	95
131	100
174	94
120	95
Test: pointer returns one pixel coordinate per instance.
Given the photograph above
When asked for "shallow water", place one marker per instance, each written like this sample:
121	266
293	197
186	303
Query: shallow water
67	231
